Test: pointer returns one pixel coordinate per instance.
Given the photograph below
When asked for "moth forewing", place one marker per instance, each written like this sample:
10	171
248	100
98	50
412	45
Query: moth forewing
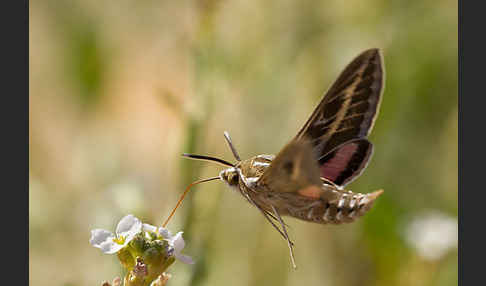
349	108
294	168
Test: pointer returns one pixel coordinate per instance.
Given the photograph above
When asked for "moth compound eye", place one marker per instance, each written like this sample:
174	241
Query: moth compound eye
232	178
229	176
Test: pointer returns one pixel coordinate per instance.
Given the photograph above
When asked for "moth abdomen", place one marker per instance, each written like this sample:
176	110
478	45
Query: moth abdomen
344	207
349	206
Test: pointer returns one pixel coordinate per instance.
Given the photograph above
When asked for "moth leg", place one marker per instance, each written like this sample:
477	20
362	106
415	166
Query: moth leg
275	218
290	243
266	215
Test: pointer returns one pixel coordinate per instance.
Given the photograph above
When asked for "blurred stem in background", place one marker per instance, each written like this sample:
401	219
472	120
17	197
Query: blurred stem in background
195	128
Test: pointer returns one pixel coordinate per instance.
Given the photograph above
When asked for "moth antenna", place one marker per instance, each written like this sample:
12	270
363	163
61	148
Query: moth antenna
232	147
208	158
184	194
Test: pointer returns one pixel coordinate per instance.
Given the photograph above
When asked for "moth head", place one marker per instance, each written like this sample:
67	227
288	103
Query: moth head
230	176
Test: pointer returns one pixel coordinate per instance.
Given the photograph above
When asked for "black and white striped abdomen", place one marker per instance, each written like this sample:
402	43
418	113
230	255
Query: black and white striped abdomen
346	208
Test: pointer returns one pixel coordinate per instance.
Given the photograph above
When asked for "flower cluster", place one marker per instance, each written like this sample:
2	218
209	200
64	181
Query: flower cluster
144	250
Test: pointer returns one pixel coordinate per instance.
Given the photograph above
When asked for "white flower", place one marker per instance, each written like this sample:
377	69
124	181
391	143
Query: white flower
432	234
128	227
177	243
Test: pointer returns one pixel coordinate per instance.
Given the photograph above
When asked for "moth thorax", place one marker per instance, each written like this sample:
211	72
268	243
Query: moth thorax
230	176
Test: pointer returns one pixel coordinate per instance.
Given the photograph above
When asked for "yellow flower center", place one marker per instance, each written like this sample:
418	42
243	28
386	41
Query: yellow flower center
119	240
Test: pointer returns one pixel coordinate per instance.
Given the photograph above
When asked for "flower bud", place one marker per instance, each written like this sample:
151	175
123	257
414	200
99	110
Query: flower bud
138	275
126	258
140	269
152	256
168	262
138	245
161	279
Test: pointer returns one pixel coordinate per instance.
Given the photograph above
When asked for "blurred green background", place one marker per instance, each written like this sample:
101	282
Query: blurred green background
119	89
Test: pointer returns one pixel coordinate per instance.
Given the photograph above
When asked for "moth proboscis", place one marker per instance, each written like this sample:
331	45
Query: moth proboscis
306	179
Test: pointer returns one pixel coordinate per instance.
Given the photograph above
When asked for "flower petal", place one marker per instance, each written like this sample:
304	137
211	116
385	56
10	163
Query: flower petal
103	240
149	227
185	259
99	236
177	242
128	227
111	247
165	233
